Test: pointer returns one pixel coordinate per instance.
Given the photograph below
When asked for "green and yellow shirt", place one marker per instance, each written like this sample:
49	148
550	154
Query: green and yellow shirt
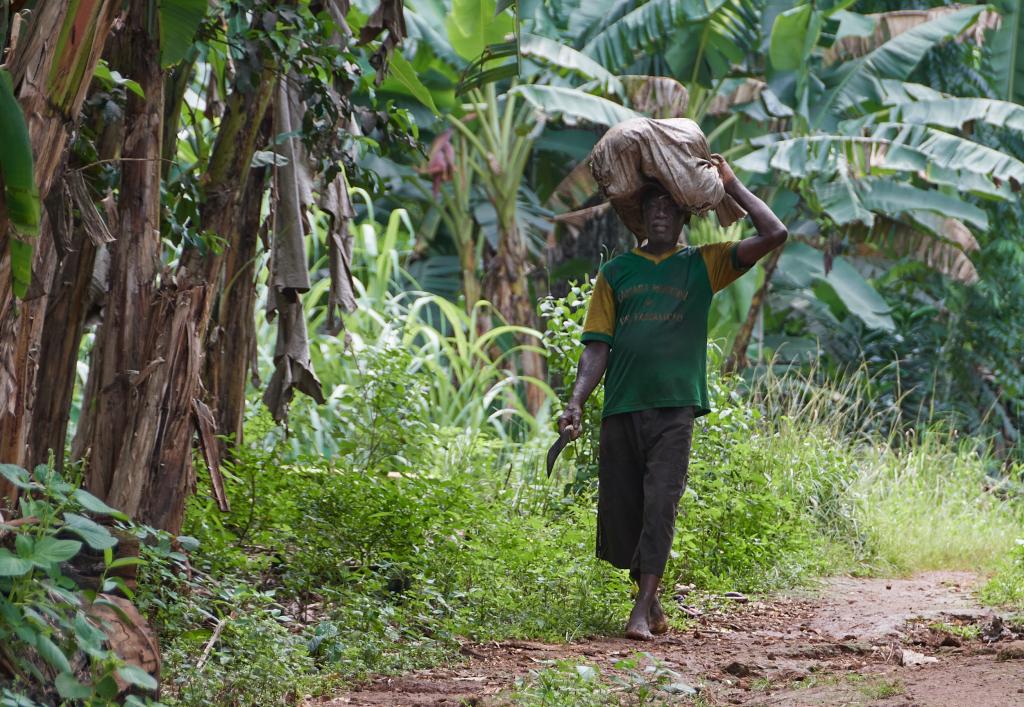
653	311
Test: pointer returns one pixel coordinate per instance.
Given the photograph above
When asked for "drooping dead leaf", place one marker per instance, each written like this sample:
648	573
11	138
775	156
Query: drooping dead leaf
289	274
657	96
388	16
749	90
946	253
207	428
891	24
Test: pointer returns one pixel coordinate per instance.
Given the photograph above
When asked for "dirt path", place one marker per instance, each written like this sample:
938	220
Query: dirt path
854	642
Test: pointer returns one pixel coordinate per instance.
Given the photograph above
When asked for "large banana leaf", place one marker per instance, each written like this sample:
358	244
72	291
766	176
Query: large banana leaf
955	112
794	33
422	30
857	81
473	25
574	105
403	74
841	202
179	20
703	50
889	197
593	16
804	156
914	146
618	45
806	267
20	198
1007	53
851	200
562	57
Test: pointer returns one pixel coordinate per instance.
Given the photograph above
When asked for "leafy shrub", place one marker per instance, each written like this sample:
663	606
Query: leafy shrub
49	636
1006	588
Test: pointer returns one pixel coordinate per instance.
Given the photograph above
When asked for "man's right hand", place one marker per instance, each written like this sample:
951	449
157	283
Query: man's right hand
571	419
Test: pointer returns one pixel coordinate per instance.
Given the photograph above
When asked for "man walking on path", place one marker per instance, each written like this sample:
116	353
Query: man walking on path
647	327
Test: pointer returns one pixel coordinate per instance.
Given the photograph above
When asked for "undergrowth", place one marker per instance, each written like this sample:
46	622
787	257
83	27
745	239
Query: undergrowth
411	537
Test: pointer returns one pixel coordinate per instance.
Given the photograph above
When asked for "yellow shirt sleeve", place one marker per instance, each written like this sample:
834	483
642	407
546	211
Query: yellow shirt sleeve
600	322
722	263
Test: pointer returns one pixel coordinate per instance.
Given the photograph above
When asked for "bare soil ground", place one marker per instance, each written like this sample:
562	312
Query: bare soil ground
854	642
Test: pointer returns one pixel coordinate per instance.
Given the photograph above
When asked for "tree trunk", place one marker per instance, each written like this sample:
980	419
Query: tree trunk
51	71
232	341
120	355
737	360
150	472
509	292
62	335
198	278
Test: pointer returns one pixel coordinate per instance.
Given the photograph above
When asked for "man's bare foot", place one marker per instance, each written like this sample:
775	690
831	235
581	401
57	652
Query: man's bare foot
638	628
657	621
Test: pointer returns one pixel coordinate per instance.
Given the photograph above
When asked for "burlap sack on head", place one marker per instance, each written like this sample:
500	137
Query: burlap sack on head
672	152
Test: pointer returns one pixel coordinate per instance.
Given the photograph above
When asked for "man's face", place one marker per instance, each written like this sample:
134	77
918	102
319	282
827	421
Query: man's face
663	220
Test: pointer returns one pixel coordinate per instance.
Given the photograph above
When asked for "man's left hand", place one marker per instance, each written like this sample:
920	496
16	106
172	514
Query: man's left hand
724	170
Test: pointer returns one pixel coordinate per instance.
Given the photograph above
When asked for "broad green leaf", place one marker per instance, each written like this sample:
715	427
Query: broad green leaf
123	562
949	151
562	57
70	689
402	72
891	197
803	156
179	21
857	295
955	112
1006	55
852	24
856	81
21	198
49	551
91	503
12	565
574	105
16	475
842	203
593	16
618	45
94	534
472	25
422	30
793	31
52	654
137	676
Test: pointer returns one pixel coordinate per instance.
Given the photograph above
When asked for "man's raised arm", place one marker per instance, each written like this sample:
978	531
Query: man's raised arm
771	233
593	362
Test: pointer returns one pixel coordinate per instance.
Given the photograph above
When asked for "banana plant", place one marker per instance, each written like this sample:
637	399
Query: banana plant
20	197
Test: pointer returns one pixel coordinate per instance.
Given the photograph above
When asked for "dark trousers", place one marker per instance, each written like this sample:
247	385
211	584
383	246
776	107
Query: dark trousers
641	476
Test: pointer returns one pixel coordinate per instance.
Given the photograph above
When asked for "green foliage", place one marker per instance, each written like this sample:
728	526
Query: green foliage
21	198
473	24
179	20
49	636
1006	588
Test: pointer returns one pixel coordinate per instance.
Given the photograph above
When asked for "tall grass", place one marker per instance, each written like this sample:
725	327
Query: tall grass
903	501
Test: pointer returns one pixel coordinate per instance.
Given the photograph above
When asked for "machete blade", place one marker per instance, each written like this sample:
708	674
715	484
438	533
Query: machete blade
557	447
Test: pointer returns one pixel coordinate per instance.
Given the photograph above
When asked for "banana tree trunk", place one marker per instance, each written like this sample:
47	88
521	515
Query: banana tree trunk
509	291
737	359
120	354
232	340
51	67
58	356
150	474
